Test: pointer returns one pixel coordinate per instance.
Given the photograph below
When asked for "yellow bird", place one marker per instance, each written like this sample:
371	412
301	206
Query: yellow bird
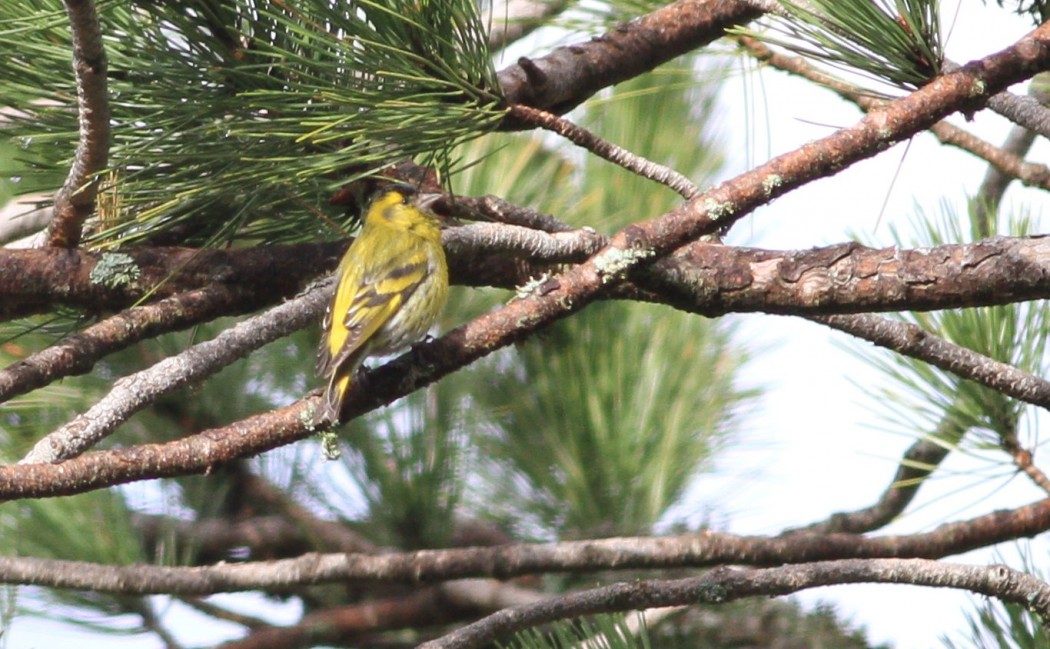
393	284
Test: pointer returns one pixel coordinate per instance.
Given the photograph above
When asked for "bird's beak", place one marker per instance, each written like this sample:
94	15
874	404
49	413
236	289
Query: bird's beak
430	202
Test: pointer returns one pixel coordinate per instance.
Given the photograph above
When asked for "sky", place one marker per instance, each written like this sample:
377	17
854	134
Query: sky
813	445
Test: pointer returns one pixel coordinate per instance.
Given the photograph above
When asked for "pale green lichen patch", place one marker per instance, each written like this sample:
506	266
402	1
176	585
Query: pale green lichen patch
771	182
306	417
977	88
114	270
529	287
713	594
717	211
330	445
615	262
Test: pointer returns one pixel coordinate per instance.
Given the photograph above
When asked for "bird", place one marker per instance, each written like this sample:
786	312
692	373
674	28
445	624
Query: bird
393	285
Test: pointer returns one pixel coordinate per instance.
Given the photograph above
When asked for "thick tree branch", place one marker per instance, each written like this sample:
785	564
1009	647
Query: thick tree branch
728	584
76	200
709	279
565	78
699	550
704	278
847	278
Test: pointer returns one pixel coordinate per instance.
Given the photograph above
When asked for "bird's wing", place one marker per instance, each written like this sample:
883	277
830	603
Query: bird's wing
366	299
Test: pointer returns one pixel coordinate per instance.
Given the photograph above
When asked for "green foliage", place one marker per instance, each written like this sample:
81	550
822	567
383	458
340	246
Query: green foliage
237	118
897	42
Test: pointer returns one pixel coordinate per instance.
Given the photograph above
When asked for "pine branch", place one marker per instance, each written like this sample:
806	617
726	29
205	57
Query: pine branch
639	243
37	281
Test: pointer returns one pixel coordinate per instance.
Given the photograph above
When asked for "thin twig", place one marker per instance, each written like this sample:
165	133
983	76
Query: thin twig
606	150
150	620
75	201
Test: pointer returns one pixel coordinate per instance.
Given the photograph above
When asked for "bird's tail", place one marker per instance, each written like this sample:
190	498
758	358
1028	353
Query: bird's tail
332	401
